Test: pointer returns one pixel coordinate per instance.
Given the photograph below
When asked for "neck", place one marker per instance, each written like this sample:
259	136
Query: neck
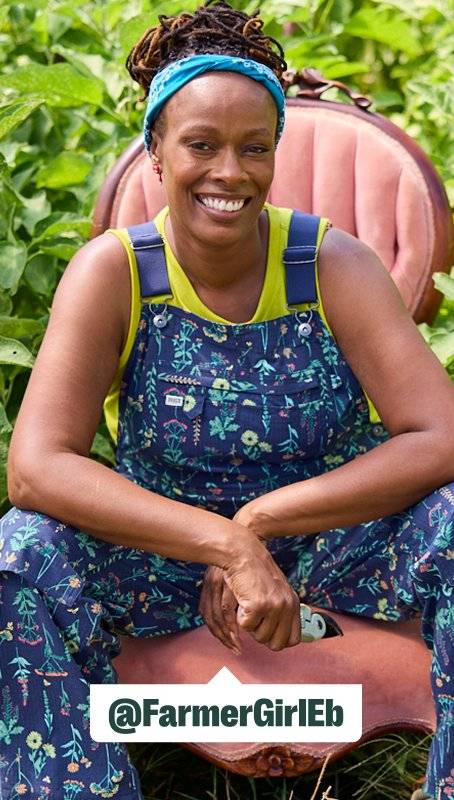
216	267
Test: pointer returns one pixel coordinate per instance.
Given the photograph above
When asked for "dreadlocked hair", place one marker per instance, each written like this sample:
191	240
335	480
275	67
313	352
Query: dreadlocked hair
214	27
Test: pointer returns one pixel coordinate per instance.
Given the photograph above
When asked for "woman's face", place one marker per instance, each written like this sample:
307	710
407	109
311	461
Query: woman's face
216	151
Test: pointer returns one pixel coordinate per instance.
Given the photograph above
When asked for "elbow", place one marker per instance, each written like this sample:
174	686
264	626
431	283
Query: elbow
21	483
442	456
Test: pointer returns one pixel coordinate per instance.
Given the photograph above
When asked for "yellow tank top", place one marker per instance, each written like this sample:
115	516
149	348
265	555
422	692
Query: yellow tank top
272	302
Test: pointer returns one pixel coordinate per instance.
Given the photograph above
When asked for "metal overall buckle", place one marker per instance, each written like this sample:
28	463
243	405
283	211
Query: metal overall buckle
317	625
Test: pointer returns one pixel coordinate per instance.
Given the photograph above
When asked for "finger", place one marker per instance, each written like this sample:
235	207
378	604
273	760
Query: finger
229	607
208	601
217	631
295	634
265	629
283	632
286	632
217	609
292	635
248	619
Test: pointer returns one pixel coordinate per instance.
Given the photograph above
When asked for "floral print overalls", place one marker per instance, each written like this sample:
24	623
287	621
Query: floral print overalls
211	415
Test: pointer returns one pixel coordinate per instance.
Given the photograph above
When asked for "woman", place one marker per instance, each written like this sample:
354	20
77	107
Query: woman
239	408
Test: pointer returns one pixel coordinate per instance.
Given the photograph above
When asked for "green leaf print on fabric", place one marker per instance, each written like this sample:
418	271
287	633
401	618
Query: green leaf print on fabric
23	538
9	718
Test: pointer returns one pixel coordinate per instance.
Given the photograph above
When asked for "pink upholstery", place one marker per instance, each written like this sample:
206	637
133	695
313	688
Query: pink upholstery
379	195
390	660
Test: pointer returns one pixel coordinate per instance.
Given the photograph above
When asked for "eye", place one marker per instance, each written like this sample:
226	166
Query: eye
202	147
257	149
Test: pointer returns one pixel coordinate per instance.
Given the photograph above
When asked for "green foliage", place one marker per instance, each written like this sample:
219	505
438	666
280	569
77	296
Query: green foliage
68	109
440	336
384	769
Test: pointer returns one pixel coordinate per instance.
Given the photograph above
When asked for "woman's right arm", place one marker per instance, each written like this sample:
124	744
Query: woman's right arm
50	469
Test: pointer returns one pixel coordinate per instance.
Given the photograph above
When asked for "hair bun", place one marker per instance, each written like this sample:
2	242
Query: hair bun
215	27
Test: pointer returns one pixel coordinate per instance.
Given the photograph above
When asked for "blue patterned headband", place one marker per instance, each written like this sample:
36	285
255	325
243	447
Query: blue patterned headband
173	77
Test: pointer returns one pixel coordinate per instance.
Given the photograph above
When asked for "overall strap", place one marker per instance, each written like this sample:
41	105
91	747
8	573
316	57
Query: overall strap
300	258
148	247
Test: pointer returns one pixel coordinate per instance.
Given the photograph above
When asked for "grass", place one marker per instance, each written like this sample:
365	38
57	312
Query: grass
389	768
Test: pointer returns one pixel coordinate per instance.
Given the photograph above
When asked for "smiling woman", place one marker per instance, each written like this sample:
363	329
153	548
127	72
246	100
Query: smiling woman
231	343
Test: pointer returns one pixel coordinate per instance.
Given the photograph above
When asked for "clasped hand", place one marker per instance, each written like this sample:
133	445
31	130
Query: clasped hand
254	594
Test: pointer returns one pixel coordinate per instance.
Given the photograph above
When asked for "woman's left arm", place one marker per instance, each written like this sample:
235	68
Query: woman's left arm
408	386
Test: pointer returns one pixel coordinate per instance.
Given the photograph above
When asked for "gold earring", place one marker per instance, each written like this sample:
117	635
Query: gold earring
157	167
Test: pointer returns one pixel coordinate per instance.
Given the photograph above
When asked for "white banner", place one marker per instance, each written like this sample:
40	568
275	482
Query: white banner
225	710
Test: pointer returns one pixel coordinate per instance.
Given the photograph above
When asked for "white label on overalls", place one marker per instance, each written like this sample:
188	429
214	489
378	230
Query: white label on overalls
174	400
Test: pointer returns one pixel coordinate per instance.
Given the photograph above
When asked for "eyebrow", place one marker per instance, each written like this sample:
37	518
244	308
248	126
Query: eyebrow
192	129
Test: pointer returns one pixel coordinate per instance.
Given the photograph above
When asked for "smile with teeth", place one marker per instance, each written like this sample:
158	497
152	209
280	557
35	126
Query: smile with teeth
219	204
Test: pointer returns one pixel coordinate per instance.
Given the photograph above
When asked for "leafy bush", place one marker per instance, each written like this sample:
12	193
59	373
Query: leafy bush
69	109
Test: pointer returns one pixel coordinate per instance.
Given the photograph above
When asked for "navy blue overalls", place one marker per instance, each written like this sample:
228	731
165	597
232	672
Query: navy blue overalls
211	415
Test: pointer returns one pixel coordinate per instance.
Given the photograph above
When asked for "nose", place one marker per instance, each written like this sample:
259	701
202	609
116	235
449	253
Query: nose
228	167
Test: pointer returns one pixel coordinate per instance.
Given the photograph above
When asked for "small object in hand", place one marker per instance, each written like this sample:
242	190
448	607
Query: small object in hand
317	625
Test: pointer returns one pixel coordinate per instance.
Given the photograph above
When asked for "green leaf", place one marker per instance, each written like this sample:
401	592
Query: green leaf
132	30
18	328
306	46
14	352
345	68
4	169
59	85
13	258
96	67
384	25
60	250
5	425
426	331
12	115
67	169
444	283
387	98
35	209
102	447
5	24
40	274
6	304
4	446
443	346
59	224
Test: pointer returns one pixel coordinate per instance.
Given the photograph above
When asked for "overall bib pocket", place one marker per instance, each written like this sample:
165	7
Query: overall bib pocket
268	421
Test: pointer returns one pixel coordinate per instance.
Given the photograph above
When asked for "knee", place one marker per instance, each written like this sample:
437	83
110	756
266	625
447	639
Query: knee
435	514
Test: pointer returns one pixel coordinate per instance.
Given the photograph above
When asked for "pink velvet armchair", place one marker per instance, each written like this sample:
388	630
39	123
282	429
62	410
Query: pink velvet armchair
341	161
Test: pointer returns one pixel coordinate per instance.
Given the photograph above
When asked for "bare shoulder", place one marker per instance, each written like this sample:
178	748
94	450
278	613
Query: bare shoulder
350	272
379	338
98	276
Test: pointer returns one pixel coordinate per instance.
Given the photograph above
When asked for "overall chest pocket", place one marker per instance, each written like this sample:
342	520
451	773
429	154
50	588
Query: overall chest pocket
268	422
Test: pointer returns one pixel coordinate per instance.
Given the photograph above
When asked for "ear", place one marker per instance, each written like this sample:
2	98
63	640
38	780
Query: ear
155	145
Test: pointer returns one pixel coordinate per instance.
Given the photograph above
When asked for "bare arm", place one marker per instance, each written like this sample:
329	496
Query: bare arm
408	386
50	471
49	467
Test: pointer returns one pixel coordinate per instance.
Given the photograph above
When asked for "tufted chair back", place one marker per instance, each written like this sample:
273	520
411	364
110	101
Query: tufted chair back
341	161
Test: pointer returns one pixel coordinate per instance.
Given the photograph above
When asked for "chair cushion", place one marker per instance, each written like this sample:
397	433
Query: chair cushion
343	167
389	659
